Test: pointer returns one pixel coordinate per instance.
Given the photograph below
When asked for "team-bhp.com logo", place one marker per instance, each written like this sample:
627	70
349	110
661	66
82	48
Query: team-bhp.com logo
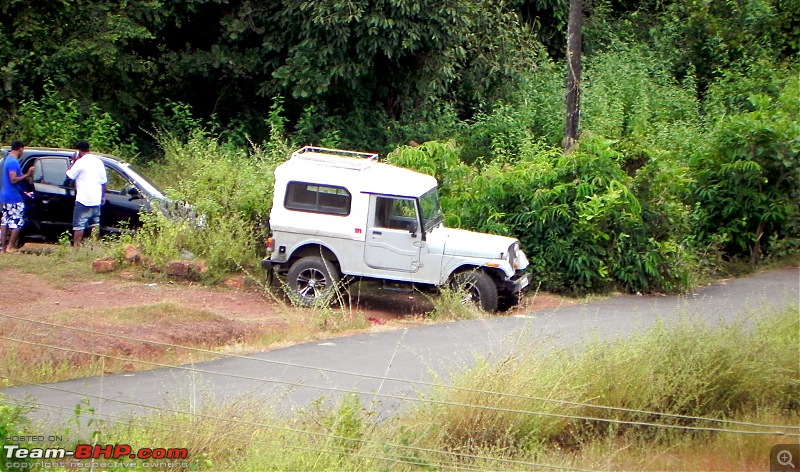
94	451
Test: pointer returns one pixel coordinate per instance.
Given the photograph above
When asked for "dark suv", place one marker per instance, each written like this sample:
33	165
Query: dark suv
51	195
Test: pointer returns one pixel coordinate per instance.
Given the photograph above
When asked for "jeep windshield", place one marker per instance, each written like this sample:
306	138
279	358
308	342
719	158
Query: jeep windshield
431	210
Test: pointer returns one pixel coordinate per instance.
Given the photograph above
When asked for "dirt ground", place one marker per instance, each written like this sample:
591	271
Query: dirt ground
235	316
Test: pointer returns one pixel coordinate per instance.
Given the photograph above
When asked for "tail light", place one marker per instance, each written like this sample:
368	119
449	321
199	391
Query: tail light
270	244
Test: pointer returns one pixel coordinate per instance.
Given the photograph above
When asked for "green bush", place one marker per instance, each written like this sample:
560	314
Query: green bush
578	217
14	422
629	97
532	113
748	180
54	121
231	188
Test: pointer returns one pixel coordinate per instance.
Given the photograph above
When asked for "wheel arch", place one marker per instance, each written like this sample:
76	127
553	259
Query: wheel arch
314	249
496	275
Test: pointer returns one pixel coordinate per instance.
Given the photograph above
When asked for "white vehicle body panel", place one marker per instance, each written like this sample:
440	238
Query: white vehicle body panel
369	215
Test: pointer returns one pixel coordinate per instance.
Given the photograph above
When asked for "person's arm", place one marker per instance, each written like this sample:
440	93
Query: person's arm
103	194
72	170
12	175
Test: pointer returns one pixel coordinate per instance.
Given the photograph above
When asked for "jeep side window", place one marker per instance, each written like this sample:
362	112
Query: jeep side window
304	196
395	213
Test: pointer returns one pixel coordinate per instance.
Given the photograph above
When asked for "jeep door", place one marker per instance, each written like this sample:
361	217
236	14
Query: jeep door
393	240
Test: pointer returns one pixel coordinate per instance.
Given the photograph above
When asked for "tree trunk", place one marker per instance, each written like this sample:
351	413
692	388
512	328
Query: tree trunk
574	52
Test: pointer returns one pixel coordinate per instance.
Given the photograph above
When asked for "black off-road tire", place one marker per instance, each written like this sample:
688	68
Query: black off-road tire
312	281
507	301
478	288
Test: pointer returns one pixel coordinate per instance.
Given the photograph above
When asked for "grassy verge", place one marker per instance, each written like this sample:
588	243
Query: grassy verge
105	341
57	263
61	340
688	371
685	397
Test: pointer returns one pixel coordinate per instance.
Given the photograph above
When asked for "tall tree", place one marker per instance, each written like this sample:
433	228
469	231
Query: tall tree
230	58
574	51
87	49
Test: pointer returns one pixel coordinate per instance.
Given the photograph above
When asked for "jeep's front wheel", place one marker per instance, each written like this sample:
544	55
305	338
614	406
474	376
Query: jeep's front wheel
312	281
478	288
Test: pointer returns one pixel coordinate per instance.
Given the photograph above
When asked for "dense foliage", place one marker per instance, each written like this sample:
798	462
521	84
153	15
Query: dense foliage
688	155
339	63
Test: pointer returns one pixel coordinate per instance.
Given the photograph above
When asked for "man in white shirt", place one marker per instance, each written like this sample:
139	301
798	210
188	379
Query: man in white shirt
89	174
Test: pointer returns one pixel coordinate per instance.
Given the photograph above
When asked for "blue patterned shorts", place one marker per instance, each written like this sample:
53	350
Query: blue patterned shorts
13	215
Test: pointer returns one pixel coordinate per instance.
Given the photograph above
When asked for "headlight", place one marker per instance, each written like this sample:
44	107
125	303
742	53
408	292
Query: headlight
512	255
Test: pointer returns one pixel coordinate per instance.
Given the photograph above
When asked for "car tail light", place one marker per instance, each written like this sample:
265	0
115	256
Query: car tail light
270	244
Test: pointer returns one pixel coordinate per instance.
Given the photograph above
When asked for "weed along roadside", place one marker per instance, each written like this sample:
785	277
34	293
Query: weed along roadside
508	395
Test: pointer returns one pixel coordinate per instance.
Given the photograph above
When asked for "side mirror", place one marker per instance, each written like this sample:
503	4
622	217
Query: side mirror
134	193
412	227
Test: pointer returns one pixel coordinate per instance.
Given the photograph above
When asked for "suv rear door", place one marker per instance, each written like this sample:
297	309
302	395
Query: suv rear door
53	198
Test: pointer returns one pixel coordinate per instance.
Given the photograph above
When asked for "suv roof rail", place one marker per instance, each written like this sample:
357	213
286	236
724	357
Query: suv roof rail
337	157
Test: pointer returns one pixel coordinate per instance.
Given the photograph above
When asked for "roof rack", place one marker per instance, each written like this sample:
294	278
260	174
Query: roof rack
337	157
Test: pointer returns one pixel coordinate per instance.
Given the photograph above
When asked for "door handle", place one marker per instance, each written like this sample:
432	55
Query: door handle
378	233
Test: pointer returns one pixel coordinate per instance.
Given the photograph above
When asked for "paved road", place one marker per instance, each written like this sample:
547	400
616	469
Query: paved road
386	367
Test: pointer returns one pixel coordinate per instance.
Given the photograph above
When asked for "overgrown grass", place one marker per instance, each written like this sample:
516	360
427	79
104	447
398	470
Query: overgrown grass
78	353
449	304
230	188
603	407
750	368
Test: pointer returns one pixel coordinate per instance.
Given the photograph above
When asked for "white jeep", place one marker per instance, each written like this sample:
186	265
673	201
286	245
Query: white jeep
341	213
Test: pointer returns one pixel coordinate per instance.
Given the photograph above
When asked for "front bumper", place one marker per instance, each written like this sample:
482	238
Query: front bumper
518	283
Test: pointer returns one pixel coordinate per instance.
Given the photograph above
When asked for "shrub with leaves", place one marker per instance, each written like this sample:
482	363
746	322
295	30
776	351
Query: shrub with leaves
630	98
748	182
14	423
577	217
57	122
581	223
532	113
231	188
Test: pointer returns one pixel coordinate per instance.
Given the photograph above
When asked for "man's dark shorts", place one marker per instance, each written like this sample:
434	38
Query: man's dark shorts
85	217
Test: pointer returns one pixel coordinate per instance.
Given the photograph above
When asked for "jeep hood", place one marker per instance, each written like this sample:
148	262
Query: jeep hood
460	242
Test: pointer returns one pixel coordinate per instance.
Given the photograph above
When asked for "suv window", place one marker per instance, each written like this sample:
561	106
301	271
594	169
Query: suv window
117	183
51	171
304	196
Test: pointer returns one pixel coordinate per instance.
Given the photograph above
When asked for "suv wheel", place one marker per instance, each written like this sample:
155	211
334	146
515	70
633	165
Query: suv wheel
478	288
312	281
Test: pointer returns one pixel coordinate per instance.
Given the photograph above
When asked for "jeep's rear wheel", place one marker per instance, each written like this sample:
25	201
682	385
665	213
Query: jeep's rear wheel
478	288
312	281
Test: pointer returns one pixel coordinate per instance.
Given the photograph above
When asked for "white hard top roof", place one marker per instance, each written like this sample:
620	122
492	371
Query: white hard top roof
356	171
